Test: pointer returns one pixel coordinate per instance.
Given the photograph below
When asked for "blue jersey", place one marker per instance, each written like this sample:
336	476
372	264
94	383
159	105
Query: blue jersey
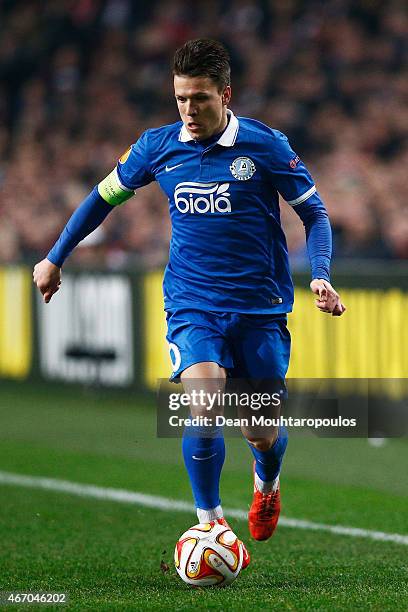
228	251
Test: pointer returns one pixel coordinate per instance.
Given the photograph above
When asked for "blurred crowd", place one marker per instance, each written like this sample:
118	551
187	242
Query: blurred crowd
81	79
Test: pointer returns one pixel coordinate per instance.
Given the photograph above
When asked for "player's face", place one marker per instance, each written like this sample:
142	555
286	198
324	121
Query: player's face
202	107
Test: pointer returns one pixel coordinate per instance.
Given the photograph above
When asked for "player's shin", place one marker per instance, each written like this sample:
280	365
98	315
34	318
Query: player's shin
204	454
268	462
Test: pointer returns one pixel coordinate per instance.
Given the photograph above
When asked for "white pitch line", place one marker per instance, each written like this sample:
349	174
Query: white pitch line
167	504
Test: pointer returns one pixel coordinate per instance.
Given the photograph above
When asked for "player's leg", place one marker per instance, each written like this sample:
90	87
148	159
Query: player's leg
263	356
200	356
268	445
203	446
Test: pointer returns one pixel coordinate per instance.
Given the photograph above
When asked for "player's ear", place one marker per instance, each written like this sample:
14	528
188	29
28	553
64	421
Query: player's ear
226	95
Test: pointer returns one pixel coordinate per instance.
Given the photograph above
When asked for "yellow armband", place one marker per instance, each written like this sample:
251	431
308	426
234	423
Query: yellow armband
112	190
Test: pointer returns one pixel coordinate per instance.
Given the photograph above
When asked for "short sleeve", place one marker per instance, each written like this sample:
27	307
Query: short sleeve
288	173
132	171
133	168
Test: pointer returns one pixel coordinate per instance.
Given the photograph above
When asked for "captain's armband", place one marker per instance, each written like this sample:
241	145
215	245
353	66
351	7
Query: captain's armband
112	190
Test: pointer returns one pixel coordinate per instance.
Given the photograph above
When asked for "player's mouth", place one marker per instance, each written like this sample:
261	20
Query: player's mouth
193	126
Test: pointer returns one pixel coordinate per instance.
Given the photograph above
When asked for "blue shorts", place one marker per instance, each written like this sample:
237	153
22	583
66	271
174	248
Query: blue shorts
246	345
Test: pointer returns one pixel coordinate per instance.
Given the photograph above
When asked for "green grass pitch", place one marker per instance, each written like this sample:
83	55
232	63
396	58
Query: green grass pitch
112	556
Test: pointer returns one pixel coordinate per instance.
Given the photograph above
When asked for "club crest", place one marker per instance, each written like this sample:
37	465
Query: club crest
242	168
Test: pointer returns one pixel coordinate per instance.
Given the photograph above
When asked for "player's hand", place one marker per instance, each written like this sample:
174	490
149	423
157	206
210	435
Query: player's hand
47	277
328	300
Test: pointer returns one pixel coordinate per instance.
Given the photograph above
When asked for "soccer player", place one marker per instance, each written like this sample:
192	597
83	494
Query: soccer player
227	285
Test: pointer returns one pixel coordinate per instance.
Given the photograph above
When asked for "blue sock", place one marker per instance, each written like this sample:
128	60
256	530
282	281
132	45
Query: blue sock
204	458
268	463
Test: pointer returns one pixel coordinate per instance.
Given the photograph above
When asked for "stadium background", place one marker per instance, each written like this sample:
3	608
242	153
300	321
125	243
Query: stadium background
79	81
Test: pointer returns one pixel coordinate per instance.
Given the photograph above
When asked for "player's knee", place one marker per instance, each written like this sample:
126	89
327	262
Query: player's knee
206	412
262	444
204	383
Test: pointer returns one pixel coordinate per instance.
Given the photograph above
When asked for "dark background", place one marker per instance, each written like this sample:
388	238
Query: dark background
81	79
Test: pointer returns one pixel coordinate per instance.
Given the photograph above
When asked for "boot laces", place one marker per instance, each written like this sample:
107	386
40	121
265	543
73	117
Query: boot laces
267	505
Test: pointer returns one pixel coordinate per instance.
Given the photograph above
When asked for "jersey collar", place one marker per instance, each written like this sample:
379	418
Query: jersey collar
227	138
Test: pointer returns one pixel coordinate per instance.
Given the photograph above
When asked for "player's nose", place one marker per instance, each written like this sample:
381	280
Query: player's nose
191	110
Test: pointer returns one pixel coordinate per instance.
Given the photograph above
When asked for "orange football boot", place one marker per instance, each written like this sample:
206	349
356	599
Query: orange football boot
246	557
264	512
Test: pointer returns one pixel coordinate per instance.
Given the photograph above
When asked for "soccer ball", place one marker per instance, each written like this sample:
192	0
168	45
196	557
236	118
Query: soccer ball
208	554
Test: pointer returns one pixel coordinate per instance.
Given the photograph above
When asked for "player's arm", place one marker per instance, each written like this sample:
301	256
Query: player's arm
295	184
86	218
319	246
131	172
